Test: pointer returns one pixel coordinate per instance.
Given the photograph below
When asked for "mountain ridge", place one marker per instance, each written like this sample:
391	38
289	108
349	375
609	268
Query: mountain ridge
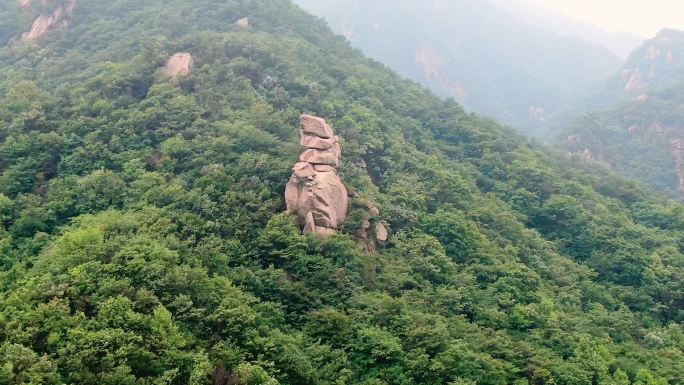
515	72
620	43
637	123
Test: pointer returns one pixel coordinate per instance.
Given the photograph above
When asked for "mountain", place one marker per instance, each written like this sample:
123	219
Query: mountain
621	44
473	51
637	124
146	149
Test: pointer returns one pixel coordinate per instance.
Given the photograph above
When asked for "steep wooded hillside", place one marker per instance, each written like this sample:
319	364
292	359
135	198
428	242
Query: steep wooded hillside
145	147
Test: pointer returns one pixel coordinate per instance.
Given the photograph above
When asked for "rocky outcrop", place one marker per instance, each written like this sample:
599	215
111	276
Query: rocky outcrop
178	65
372	232
58	19
315	192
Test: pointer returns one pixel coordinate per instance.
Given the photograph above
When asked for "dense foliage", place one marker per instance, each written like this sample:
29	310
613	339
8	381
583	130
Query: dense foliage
143	239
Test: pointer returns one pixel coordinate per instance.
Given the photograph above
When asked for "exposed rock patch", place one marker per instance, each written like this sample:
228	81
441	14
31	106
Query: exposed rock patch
652	53
58	19
635	81
178	65
428	58
347	29
573	139
243	22
315	192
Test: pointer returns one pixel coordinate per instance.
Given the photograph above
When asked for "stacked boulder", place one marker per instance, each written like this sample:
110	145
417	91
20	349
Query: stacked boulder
315	192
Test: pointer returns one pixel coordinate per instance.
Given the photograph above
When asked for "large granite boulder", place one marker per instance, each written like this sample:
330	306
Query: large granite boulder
315	192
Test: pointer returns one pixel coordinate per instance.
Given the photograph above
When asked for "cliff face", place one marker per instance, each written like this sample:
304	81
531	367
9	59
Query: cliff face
655	64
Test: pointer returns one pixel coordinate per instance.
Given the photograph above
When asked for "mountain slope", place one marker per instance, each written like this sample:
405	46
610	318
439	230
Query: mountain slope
638	129
474	52
621	44
144	240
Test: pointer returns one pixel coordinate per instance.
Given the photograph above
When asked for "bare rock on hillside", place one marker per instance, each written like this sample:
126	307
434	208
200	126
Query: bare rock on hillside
315	192
178	65
44	23
243	22
317	195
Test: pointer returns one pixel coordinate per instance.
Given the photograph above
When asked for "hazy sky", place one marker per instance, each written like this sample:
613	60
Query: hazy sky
644	17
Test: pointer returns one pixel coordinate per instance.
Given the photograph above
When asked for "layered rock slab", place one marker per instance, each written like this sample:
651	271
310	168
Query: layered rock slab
315	191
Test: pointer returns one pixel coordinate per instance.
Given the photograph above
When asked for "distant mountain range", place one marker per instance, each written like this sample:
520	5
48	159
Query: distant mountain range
635	122
620	43
493	61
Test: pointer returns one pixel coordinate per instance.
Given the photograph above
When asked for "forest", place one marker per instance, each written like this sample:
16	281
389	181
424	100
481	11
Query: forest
144	238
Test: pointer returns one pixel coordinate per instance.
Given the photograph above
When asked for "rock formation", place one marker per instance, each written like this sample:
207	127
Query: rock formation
243	22
315	192
178	65
372	232
58	19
